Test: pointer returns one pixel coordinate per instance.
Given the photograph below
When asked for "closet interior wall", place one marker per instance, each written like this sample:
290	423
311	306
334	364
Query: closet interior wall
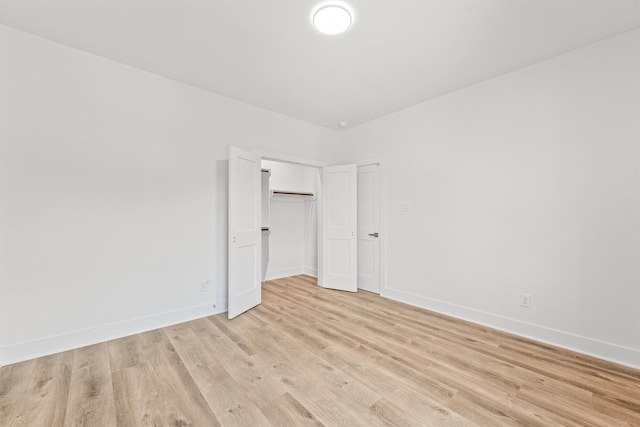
293	237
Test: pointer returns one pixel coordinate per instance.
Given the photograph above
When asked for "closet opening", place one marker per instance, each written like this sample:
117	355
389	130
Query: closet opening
289	202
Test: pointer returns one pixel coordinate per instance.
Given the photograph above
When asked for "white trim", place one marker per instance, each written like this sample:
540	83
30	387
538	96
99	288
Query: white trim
285	272
293	271
374	161
268	155
591	347
313	272
384	236
69	341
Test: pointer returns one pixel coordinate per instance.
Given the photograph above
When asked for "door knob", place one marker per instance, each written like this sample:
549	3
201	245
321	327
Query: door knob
374	234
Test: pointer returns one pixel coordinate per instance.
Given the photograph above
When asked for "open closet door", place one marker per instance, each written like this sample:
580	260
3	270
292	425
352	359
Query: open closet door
244	287
339	223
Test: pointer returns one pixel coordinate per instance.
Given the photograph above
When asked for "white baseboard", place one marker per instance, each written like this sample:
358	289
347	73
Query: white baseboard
591	347
313	272
54	344
285	272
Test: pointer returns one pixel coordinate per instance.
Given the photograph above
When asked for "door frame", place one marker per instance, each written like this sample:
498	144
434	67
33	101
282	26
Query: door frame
382	203
279	157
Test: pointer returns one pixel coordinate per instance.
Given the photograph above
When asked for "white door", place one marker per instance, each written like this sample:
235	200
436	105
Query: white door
369	228
339	221
244	287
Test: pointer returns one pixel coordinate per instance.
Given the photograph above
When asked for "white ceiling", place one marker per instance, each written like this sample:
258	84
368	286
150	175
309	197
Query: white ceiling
265	52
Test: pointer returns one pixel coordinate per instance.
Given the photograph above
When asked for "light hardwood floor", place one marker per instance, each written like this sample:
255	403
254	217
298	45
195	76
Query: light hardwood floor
310	356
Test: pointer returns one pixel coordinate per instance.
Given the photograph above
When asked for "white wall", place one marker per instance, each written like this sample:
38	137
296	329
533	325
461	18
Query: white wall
113	190
294	225
527	183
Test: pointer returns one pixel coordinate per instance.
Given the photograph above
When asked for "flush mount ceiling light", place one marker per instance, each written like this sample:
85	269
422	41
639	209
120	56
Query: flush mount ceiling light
332	19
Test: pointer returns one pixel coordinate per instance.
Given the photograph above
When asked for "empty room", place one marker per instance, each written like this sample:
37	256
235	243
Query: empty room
301	212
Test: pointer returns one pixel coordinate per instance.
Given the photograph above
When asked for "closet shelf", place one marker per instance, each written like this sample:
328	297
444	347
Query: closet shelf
292	193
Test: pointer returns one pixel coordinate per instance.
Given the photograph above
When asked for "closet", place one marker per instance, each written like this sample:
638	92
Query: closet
289	220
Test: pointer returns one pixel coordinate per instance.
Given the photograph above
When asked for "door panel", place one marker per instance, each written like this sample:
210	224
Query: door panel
368	228
339	246
244	284
339	257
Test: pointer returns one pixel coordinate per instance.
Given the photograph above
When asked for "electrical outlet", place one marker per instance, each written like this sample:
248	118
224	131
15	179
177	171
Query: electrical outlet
204	286
525	300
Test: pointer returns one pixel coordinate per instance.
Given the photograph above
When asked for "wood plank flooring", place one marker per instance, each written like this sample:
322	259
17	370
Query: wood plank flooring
312	357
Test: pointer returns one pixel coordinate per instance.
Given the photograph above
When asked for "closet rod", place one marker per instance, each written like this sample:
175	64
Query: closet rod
292	193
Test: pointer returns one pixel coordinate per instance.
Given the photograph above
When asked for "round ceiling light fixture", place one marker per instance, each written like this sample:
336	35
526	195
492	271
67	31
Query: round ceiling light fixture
332	19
